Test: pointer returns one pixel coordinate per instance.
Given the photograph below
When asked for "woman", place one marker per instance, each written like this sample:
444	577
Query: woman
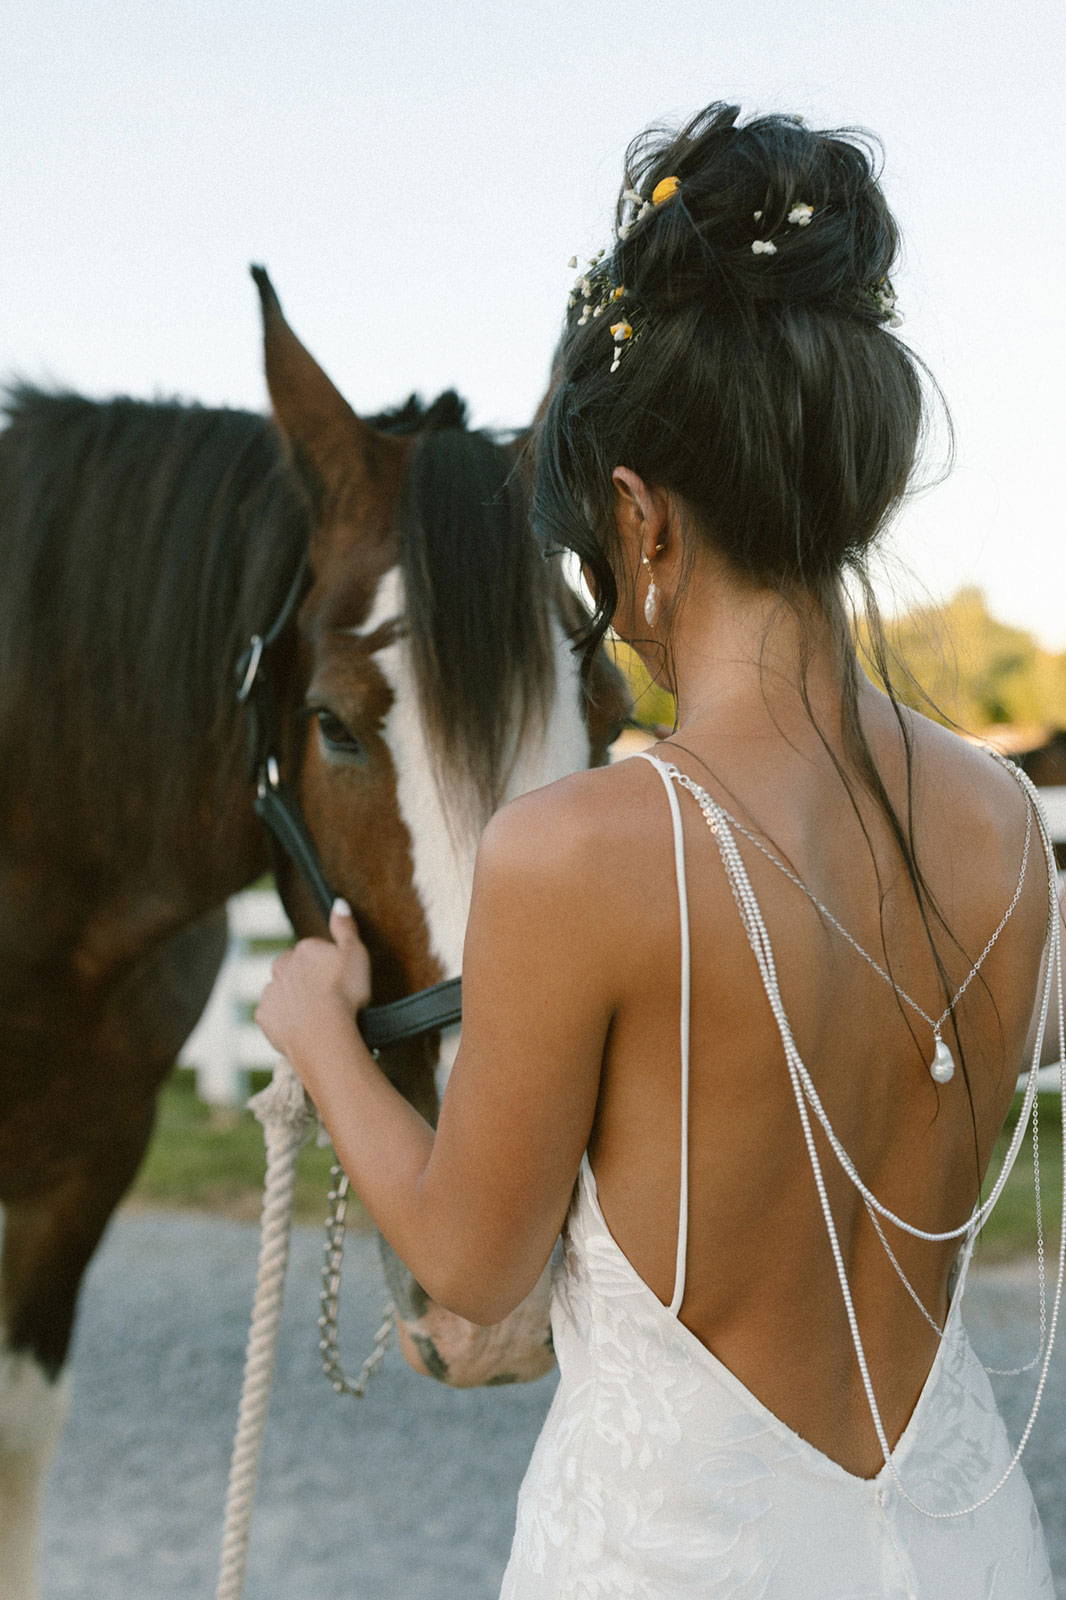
766	1389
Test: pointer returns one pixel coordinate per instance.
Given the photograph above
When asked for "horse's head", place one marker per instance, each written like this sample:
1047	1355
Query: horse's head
437	679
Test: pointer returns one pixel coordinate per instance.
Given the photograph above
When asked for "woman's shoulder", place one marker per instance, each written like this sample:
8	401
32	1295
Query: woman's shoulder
575	826
971	822
987	795
586	798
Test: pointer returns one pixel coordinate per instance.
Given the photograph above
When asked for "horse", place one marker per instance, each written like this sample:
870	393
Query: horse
428	674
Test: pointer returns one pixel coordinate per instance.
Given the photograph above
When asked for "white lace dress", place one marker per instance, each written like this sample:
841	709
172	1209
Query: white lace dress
659	1476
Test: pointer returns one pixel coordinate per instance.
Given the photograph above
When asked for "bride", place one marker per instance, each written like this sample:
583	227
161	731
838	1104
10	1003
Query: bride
743	1021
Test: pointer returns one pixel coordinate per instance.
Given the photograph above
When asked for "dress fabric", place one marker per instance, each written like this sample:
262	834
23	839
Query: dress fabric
658	1475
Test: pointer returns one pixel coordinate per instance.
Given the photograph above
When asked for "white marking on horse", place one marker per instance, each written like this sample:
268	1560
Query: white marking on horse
32	1410
443	864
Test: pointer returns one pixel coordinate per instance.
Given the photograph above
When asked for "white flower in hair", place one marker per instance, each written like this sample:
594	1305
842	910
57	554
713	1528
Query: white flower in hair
884	298
801	214
763	247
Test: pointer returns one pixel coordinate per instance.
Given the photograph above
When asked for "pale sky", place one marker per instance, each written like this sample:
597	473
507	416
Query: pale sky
416	176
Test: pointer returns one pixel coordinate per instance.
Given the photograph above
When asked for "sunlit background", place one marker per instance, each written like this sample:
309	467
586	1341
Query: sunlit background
416	176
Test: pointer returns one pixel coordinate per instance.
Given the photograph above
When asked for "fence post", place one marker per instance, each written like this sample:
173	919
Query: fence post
225	1044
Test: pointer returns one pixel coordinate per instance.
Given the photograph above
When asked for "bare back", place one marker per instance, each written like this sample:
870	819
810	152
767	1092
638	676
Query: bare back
761	1288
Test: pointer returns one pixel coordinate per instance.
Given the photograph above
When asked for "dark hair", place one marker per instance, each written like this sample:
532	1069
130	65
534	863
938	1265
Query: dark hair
764	390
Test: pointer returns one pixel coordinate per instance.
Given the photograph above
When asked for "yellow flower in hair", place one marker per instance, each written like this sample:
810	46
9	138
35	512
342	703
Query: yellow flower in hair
664	189
620	332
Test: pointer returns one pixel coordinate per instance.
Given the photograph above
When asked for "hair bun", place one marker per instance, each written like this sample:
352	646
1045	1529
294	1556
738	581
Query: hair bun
764	211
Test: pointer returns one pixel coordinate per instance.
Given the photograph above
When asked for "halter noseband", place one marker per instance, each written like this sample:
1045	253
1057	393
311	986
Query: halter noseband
279	808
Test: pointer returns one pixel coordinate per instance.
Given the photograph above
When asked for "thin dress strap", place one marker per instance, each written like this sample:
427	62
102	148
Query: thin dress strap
808	1101
686	991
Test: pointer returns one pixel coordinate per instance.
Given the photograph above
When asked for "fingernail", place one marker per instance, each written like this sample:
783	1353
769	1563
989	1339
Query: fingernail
342	908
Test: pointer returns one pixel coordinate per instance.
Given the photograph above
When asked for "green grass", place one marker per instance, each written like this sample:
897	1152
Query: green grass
1011	1229
203	1161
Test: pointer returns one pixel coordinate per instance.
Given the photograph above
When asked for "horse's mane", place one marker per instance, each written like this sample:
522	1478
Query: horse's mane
143	542
478	611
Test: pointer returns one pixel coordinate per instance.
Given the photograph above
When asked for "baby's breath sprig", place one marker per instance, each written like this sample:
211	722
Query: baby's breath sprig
884	298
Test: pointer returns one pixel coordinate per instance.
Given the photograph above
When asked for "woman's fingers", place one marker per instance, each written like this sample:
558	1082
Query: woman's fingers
355	962
341	922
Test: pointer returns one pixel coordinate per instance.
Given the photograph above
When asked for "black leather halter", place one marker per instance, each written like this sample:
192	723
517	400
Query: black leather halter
277	805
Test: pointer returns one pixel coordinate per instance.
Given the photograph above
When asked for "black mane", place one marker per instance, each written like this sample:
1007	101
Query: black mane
142	543
478	610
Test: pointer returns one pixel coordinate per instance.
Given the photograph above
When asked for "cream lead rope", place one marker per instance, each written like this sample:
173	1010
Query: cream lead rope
287	1118
282	1110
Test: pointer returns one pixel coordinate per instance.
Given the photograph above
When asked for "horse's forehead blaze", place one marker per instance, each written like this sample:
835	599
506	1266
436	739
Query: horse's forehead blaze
379	647
356	812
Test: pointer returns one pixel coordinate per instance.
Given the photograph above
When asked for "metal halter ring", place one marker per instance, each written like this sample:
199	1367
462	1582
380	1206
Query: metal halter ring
255	655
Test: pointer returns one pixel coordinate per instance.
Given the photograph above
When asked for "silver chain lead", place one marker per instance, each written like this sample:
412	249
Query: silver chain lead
329	1299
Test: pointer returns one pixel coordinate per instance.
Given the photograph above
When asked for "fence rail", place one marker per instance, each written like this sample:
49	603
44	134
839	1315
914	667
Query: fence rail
226	1044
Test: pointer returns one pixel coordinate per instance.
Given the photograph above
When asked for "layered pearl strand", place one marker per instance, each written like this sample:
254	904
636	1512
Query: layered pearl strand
722	825
942	1066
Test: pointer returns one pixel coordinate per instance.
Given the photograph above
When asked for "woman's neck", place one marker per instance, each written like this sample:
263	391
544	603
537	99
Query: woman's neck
743	656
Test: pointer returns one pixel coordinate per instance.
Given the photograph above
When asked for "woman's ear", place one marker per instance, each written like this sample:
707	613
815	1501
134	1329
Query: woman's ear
641	512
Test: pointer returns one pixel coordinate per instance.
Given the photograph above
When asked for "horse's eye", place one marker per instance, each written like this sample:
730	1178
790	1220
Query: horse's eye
336	736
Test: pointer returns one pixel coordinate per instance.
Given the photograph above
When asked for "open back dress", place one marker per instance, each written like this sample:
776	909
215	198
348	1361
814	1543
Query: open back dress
659	1476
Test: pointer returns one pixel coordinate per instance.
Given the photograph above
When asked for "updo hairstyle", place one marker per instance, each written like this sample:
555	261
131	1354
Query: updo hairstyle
763	389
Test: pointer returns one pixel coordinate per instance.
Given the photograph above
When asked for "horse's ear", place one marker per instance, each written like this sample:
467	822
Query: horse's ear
335	453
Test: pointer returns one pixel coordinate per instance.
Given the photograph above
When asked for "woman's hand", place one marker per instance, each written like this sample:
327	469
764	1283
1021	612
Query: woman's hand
314	985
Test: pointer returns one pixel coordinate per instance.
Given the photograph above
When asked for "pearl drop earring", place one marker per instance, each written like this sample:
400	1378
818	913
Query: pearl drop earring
651	599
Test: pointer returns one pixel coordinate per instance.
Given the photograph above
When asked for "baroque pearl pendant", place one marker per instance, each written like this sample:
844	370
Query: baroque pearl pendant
942	1066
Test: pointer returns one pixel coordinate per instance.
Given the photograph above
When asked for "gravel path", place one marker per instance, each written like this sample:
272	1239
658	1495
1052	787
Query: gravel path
409	1493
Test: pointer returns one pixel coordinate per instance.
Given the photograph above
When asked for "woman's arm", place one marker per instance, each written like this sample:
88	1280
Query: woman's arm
474	1208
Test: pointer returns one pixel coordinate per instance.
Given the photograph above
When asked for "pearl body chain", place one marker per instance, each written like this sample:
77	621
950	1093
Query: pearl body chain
722	825
942	1066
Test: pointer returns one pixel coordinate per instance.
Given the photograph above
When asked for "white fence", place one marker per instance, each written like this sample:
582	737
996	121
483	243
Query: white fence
226	1044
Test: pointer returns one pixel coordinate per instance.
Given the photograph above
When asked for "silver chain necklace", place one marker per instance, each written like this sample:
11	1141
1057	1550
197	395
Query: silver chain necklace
720	823
942	1066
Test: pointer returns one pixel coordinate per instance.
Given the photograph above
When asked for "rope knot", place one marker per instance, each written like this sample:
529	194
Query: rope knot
283	1103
